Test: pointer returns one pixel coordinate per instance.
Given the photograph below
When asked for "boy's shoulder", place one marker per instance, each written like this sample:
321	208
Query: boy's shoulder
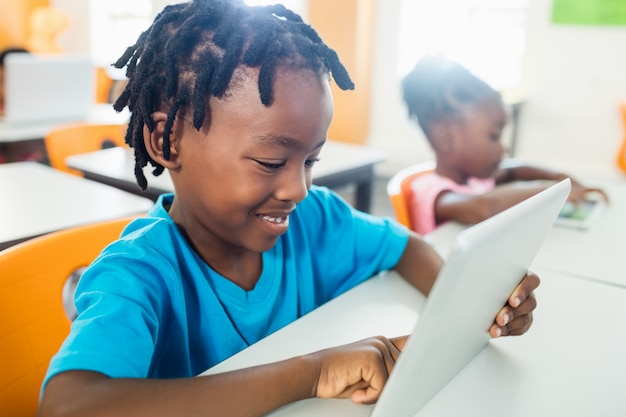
153	233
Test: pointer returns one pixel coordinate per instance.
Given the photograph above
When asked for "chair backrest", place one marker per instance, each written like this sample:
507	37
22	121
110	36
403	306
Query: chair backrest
33	319
399	189
73	139
103	85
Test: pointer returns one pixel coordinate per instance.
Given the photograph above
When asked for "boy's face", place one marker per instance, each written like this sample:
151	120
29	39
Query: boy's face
478	136
243	173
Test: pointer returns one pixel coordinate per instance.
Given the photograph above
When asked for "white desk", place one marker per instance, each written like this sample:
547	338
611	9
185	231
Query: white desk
598	253
340	164
571	363
25	131
37	199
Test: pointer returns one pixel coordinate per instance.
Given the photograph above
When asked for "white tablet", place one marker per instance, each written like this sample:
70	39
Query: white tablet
486	263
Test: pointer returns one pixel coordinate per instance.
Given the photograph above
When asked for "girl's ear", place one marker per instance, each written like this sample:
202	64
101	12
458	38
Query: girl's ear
154	142
442	137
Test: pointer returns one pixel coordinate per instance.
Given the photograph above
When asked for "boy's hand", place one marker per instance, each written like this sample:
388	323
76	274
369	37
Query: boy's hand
359	370
516	316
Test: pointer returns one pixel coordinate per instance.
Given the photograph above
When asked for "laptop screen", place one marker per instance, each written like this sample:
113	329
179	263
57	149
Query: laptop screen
41	88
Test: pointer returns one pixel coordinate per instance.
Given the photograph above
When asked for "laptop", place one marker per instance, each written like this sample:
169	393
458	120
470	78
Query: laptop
47	88
485	264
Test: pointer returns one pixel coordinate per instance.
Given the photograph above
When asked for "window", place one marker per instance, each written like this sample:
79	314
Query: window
115	25
298	6
486	36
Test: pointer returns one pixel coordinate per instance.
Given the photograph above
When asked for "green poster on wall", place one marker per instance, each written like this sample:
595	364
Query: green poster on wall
589	12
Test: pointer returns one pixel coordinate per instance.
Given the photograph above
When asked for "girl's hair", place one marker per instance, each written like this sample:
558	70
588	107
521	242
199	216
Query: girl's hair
191	51
438	88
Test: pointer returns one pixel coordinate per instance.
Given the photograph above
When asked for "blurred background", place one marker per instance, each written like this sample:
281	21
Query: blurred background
560	63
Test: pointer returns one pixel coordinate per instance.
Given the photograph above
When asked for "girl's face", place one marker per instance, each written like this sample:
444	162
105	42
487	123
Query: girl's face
477	138
240	177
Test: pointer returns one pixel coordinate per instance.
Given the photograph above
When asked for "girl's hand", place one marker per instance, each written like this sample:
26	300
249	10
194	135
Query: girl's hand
516	317
359	370
579	193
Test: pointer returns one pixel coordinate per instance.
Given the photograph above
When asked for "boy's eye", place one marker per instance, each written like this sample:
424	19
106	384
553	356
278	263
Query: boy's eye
272	166
310	162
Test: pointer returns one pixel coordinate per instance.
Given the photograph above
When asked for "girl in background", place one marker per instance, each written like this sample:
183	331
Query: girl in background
463	118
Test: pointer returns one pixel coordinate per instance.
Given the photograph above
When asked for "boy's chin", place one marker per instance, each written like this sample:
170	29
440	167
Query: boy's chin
266	245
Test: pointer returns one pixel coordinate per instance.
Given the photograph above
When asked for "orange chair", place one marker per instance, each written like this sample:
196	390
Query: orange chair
73	139
621	154
104	83
34	322
399	189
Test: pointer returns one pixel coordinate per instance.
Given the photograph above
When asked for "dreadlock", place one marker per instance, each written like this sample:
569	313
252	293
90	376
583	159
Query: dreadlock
191	51
438	88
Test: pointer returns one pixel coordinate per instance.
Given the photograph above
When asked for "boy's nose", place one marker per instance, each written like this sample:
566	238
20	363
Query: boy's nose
294	185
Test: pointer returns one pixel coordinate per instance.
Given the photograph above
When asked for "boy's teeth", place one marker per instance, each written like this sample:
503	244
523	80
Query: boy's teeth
273	219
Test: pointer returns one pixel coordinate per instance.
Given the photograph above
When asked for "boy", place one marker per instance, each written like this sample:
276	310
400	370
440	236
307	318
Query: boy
235	103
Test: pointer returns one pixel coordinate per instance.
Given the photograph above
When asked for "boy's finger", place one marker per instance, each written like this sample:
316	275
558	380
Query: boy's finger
520	325
528	284
399	342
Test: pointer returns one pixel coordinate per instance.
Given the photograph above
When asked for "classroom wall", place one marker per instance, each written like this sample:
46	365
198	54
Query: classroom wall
347	26
390	128
76	38
14	16
573	76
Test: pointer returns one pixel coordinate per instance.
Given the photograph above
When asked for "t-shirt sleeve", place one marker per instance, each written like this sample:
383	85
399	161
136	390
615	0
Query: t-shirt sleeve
426	189
115	308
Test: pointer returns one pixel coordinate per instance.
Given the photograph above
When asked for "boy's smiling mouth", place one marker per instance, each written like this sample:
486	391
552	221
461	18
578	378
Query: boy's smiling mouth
278	225
281	219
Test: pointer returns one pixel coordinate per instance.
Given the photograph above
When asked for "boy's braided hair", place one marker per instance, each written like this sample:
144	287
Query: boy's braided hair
437	88
191	51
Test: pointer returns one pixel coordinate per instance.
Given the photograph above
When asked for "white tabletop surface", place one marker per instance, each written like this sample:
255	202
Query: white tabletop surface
119	163
100	113
37	199
571	363
598	253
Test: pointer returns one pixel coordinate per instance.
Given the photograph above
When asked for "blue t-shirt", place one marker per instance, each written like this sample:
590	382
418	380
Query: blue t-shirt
149	306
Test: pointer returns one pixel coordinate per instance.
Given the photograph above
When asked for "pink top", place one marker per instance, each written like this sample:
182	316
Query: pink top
426	189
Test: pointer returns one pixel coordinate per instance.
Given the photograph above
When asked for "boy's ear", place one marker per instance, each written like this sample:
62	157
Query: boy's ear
154	142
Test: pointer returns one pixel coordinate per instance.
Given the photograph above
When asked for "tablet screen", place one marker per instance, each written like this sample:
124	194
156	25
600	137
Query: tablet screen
579	214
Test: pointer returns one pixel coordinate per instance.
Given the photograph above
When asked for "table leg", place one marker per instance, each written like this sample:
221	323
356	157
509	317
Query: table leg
364	195
362	177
